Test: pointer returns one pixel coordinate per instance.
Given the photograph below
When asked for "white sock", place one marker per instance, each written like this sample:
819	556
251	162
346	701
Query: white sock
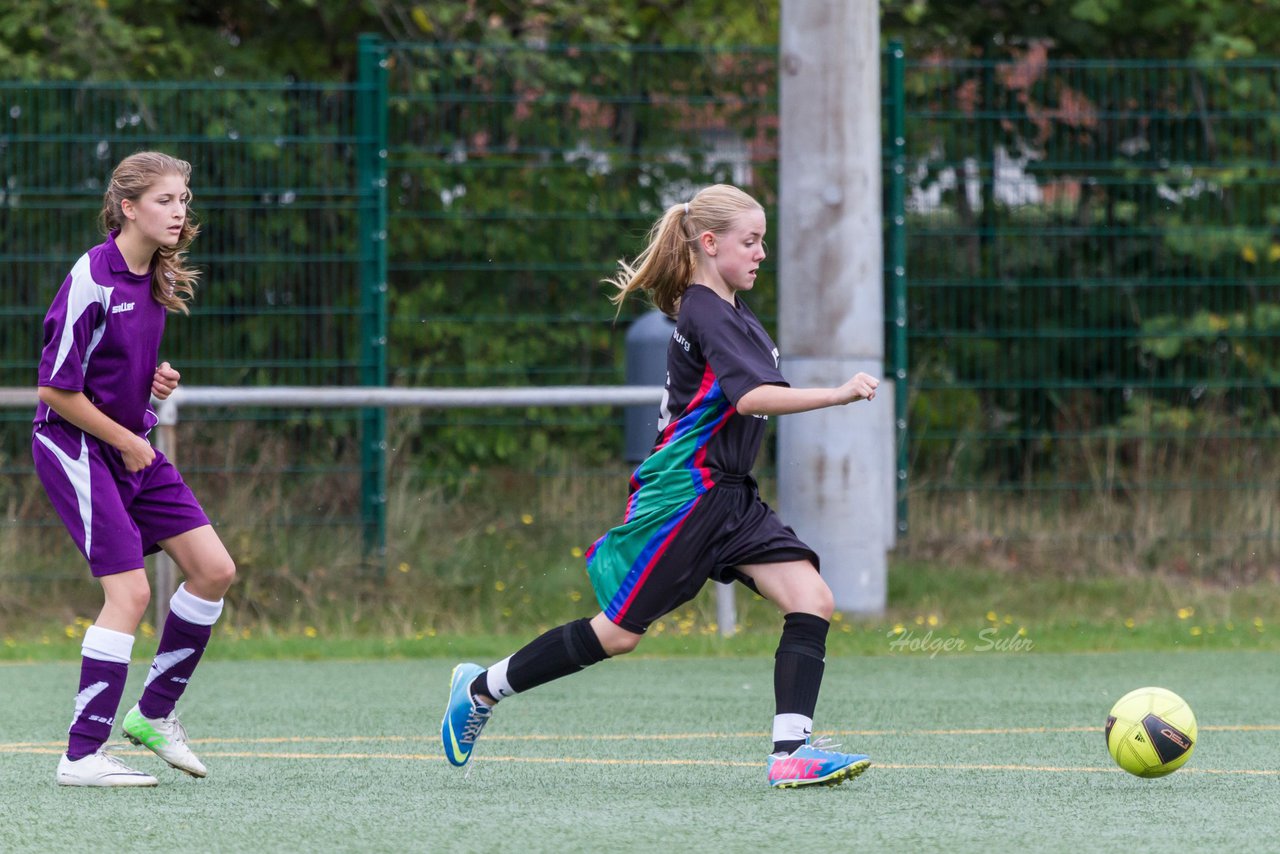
792	727
193	609
496	678
106	645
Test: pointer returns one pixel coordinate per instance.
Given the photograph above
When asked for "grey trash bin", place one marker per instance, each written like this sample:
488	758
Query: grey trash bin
646	344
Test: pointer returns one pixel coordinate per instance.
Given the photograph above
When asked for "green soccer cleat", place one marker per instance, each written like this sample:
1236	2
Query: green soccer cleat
165	737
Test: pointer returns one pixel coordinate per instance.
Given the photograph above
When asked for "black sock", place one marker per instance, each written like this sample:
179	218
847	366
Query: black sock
797	670
563	650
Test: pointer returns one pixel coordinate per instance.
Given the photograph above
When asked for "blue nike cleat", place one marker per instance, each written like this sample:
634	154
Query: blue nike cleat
815	764
464	718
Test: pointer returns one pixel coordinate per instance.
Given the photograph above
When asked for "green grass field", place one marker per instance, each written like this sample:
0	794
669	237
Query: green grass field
981	751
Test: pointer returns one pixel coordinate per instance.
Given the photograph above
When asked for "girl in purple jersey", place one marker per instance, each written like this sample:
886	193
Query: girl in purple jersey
694	512
119	498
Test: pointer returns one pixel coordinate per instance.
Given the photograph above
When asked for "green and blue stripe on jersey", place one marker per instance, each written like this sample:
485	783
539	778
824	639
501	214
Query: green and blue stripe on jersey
664	490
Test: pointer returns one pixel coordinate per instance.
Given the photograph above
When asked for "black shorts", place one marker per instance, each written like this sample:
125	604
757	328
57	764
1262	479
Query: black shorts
729	526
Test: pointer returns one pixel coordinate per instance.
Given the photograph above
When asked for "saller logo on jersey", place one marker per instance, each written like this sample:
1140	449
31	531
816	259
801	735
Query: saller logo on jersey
122	307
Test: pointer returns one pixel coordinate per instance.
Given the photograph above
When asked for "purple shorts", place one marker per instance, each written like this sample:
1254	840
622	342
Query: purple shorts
114	516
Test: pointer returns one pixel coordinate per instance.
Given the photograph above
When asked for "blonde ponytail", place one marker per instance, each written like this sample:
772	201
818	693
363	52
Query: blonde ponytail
666	266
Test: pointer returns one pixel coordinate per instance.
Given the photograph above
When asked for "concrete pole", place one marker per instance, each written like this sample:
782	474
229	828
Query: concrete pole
835	466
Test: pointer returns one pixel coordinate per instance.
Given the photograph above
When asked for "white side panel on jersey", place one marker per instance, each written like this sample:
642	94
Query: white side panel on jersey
664	410
77	471
84	292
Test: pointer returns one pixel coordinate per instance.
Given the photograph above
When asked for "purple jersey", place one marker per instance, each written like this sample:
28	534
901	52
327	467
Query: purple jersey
102	337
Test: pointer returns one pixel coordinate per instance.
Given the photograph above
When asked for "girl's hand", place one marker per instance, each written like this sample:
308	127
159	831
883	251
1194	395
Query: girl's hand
860	387
137	453
164	381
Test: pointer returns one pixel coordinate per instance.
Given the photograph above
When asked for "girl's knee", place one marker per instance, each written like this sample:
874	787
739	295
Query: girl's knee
129	599
613	638
824	603
139	600
818	596
223	573
813	595
621	643
212	577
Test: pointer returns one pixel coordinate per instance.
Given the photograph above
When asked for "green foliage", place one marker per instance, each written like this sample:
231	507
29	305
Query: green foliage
518	177
273	169
1209	30
309	40
84	39
524	160
1230	354
1089	239
945	422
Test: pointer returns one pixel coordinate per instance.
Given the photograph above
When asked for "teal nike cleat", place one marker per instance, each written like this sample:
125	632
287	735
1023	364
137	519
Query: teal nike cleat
464	718
815	764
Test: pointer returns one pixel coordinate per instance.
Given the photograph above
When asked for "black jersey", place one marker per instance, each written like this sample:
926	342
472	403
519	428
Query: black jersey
718	353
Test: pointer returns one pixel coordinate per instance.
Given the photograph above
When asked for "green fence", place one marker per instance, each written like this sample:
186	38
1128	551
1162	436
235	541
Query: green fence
275	187
1090	323
275	171
445	221
1093	313
517	177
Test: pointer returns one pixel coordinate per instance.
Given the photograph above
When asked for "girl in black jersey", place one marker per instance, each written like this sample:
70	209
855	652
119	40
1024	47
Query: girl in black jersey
694	512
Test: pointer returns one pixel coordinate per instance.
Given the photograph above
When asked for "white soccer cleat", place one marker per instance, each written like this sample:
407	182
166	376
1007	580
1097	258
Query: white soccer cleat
165	737
100	769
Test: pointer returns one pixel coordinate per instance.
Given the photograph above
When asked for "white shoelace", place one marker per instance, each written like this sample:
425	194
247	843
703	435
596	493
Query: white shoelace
115	761
476	720
176	731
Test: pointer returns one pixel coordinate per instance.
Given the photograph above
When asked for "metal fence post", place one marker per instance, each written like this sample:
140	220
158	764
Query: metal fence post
371	178
166	571
896	265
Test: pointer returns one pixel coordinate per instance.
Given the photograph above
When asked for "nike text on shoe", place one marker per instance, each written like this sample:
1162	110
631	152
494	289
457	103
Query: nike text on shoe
165	737
100	769
815	764
463	717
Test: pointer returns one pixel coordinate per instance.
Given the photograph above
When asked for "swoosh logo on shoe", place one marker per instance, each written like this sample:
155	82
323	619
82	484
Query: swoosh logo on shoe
448	719
457	748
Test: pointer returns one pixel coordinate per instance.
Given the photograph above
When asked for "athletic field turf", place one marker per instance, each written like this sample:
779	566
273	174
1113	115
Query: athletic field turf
979	752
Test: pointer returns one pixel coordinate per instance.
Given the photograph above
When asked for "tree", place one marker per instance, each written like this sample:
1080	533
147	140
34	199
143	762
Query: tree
1082	29
314	40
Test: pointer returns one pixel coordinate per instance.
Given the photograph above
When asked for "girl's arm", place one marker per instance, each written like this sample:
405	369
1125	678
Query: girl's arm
80	411
781	400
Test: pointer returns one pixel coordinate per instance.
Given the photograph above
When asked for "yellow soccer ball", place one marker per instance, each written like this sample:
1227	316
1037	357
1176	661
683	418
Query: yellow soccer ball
1151	732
